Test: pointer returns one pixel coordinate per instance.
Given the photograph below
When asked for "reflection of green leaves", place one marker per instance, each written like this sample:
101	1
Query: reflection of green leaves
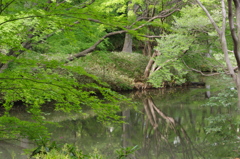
12	127
36	83
226	98
223	126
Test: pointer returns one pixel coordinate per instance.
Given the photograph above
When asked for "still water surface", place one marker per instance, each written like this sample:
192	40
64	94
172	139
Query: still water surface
167	124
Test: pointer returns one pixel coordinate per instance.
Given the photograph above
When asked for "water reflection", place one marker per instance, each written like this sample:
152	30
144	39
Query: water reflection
208	93
14	149
161	136
168	124
173	126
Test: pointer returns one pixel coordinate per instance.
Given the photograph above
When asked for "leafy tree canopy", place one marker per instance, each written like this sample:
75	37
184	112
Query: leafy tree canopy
38	80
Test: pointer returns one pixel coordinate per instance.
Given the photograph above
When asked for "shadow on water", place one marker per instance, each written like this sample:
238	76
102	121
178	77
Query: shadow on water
167	124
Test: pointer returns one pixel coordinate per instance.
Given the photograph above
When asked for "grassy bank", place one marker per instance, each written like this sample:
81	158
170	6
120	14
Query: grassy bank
117	69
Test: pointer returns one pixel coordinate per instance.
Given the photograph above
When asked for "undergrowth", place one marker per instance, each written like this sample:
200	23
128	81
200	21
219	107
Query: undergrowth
117	69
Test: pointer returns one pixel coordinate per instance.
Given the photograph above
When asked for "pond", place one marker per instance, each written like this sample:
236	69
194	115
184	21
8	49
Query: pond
167	124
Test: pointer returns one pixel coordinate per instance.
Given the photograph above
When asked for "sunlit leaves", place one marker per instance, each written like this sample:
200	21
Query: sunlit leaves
171	49
109	6
42	82
192	19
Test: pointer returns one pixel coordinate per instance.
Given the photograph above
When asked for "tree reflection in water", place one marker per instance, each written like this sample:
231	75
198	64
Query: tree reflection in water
170	130
168	135
169	124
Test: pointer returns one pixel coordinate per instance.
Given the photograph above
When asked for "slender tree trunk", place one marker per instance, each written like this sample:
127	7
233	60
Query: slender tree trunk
150	65
127	47
235	34
238	87
147	50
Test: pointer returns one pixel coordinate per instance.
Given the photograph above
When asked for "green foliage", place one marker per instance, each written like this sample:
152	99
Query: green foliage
225	98
123	153
35	79
192	19
14	128
170	66
65	28
190	45
205	53
48	150
223	125
52	151
14	28
36	83
74	40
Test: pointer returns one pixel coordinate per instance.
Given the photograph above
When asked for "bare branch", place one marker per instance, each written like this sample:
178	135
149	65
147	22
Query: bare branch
150	63
210	17
153	18
224	16
221	35
8	4
198	71
92	48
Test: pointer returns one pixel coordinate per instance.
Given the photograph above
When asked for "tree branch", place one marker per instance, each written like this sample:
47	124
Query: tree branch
11	20
8	4
233	32
92	48
210	17
198	71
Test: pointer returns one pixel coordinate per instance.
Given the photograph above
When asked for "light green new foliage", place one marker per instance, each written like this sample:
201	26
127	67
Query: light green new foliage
186	47
169	63
13	30
192	19
71	42
39	82
34	80
205	51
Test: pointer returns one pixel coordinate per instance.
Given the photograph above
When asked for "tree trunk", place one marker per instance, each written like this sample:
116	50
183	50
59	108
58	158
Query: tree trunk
127	47
235	34
238	87
150	65
147	50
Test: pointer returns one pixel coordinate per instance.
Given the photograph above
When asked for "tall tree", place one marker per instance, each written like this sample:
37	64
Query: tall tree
234	23
142	11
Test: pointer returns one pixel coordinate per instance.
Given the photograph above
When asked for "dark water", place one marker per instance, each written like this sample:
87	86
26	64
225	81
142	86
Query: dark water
167	124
